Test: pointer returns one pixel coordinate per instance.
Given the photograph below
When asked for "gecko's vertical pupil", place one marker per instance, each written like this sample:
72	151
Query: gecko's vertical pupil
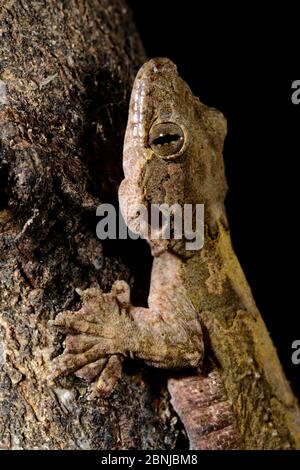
166	139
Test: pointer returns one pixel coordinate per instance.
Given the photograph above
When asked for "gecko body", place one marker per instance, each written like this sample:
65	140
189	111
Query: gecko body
173	155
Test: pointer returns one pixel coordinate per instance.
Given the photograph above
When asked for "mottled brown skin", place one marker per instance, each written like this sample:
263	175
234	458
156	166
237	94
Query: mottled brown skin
240	397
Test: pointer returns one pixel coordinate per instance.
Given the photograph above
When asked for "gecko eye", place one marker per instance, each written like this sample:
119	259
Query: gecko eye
166	139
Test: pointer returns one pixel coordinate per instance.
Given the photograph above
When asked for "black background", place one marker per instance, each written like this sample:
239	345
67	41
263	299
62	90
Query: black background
243	61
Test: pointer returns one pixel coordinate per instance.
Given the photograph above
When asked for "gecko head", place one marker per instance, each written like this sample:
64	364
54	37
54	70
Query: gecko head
173	143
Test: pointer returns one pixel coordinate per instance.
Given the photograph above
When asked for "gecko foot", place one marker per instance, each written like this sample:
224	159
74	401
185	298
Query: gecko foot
93	345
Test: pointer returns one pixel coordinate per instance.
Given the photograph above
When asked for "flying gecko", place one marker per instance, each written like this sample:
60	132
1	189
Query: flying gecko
199	301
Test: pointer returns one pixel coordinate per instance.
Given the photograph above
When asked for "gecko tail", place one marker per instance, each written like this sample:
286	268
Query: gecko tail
203	407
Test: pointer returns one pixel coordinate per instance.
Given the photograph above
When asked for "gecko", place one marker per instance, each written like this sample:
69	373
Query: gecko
199	301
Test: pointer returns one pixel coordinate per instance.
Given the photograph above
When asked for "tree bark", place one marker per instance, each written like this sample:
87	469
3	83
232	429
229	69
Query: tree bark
66	73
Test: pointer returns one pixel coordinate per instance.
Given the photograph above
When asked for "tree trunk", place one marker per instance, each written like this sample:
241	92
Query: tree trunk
66	73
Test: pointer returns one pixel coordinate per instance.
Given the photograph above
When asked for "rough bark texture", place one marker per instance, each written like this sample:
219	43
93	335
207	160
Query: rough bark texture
66	71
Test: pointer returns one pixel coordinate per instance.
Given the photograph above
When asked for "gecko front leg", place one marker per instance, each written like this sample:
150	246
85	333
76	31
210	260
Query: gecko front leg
107	324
